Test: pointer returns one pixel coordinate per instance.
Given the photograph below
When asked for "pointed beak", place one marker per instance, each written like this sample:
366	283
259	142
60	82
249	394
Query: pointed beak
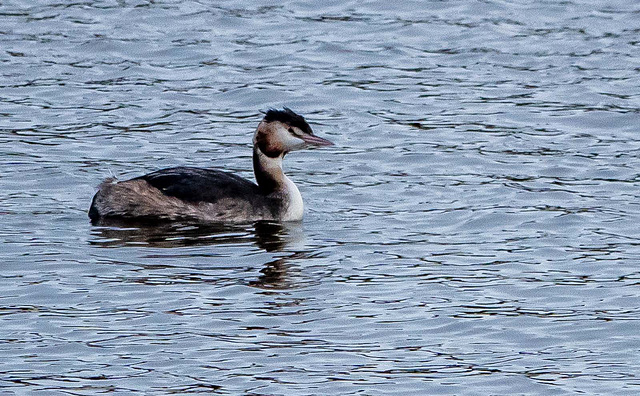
315	140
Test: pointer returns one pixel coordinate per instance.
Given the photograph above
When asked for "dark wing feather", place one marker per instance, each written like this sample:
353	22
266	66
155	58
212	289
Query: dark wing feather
201	185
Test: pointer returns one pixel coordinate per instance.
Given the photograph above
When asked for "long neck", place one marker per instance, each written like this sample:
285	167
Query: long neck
272	181
268	172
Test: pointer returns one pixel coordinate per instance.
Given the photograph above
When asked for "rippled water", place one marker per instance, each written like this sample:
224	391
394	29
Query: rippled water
474	231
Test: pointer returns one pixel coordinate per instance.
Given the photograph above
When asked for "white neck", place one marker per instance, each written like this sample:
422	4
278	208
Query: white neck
295	207
274	183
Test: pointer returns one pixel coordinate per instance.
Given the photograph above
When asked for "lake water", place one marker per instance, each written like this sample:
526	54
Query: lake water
475	230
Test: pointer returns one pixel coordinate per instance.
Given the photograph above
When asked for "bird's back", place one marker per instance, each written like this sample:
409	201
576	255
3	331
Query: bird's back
184	193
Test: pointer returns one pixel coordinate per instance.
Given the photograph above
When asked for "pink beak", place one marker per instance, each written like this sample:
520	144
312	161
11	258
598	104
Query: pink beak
315	140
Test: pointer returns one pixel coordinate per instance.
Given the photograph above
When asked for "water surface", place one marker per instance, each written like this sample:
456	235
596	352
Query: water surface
474	230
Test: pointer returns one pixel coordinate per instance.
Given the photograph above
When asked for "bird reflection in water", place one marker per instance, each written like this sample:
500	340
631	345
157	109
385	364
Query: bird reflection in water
267	235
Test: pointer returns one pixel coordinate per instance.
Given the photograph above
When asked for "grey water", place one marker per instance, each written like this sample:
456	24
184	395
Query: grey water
475	230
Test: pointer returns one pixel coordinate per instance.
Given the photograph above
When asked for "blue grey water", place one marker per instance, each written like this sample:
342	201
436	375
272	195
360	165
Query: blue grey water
475	230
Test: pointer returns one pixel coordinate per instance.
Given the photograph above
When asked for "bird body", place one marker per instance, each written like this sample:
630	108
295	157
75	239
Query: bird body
210	195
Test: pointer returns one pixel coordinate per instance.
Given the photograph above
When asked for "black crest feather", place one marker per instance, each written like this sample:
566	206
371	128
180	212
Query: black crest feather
287	116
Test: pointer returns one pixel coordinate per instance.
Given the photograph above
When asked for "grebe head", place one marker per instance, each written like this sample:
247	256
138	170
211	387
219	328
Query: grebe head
281	131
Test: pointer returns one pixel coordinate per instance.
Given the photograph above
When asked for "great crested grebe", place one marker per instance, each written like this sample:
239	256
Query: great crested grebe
210	195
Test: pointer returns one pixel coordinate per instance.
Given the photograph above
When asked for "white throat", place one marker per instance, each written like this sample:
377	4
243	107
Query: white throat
295	207
284	188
